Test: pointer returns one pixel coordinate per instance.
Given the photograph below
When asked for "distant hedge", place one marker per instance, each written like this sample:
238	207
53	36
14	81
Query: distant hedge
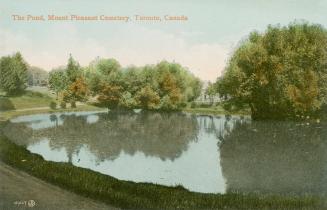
6	104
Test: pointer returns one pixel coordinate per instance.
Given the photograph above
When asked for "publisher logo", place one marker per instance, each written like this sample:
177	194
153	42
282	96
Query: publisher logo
31	203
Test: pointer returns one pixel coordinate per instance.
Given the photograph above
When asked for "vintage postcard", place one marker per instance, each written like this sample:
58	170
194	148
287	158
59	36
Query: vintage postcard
175	104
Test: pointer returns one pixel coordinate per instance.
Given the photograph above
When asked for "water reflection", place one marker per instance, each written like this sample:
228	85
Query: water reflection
202	153
164	148
275	157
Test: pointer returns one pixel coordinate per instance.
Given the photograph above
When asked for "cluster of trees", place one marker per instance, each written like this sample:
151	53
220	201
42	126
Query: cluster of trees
13	74
165	86
16	74
69	83
281	73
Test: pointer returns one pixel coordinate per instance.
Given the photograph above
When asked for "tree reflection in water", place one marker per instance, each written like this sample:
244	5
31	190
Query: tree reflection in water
163	135
275	157
261	156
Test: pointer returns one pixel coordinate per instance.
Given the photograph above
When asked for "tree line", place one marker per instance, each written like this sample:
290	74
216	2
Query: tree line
164	86
280	73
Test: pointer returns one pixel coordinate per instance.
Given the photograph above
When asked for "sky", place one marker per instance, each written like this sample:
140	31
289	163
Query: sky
202	44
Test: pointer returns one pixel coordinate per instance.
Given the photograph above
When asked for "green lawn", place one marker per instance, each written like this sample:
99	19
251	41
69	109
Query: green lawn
10	114
31	100
34	102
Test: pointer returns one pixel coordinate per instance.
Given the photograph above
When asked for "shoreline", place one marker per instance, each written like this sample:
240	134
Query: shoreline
121	194
127	194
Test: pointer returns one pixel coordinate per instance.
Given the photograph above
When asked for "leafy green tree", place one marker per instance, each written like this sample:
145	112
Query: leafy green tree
162	86
280	73
147	98
77	91
127	101
94	82
13	74
211	91
108	67
73	70
103	71
193	88
132	79
58	81
110	96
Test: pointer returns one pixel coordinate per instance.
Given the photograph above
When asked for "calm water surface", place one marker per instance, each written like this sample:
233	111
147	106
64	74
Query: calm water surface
201	153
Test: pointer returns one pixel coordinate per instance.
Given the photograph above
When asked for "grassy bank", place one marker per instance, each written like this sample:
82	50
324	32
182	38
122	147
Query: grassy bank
14	113
32	102
131	195
29	99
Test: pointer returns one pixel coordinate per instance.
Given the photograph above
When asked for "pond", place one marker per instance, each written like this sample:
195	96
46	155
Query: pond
201	153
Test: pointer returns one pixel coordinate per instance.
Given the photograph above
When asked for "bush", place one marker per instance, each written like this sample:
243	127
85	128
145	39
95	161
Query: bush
6	104
53	105
193	104
73	104
63	105
183	105
227	106
205	105
34	94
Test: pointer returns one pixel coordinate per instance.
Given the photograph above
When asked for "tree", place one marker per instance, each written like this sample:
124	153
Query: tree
108	67
73	70
211	91
147	98
102	71
13	74
127	101
110	96
58	81
77	91
69	82
193	88
280	73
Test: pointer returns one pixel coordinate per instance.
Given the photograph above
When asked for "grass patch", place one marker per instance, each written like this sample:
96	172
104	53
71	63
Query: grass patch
130	195
14	113
30	99
37	102
6	104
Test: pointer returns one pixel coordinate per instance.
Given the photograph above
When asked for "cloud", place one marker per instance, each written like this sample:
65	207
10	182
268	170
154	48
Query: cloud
130	45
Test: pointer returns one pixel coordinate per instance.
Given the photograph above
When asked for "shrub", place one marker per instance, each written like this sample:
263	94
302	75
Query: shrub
63	105
73	104
205	105
6	104
34	94
193	104
53	105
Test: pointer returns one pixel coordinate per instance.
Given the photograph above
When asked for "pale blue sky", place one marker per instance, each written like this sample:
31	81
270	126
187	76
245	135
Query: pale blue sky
202	44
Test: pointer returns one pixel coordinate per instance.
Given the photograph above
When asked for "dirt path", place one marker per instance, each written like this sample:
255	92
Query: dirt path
18	190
